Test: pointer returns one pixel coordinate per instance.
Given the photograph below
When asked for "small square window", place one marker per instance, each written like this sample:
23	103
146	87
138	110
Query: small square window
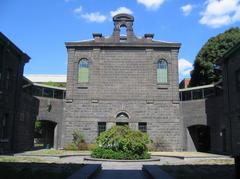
142	126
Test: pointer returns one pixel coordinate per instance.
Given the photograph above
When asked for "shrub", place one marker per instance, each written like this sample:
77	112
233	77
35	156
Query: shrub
78	142
78	138
120	142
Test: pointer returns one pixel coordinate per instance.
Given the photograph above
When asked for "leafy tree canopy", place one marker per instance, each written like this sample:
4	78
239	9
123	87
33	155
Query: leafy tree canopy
204	66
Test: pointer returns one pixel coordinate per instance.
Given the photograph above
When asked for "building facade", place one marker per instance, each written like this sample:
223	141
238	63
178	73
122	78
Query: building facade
18	109
231	83
123	80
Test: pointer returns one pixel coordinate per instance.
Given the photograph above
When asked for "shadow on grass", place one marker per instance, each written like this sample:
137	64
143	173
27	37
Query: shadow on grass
37	170
200	171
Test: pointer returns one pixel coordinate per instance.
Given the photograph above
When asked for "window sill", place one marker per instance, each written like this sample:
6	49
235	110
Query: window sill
163	86
82	85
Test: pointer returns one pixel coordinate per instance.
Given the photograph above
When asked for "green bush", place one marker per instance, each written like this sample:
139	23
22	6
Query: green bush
120	142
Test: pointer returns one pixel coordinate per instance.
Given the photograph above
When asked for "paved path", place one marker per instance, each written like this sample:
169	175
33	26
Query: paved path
121	174
121	170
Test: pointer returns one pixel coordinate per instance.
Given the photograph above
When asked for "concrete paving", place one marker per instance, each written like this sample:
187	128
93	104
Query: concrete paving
121	174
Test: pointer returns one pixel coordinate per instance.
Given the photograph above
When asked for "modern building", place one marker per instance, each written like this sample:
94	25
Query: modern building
123	80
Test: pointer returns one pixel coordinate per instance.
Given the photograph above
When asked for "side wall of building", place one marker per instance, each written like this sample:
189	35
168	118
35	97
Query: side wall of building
25	123
210	113
231	77
218	126
12	62
194	113
52	110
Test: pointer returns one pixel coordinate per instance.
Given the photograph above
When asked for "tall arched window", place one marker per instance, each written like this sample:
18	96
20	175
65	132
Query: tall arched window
162	71
83	71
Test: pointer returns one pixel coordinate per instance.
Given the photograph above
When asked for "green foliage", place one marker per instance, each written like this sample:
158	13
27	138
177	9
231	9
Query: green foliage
111	154
204	66
38	129
120	142
78	142
77	137
57	84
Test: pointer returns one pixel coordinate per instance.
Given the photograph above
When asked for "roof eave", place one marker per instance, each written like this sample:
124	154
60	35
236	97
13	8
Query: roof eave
121	44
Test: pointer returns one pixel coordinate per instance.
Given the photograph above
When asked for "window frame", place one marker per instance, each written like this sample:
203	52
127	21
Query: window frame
167	68
100	126
142	125
78	70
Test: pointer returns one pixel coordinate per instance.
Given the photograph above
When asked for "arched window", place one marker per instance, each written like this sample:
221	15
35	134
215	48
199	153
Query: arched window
122	115
162	71
83	71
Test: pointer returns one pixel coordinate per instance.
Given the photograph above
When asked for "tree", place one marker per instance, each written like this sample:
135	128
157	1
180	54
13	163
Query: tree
204	71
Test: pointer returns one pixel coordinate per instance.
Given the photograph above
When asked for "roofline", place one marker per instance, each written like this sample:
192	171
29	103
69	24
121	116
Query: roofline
47	86
120	44
29	81
9	43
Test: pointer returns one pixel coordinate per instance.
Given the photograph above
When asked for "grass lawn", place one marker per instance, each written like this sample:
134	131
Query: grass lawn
56	152
183	154
202	169
11	159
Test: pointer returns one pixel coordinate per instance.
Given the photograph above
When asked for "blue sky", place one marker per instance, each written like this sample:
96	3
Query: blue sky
40	27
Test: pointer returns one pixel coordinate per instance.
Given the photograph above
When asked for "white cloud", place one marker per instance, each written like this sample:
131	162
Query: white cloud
185	67
121	10
151	4
78	10
187	9
94	17
218	13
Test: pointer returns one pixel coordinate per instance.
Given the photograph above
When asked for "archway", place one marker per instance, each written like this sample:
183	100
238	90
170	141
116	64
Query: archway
199	137
45	133
122	119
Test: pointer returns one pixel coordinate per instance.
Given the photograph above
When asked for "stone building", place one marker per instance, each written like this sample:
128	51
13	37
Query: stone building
231	83
123	80
18	108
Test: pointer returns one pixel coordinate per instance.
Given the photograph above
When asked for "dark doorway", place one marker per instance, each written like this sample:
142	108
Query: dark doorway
44	133
122	123
200	135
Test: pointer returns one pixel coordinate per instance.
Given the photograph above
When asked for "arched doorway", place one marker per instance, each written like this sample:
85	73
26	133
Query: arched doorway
122	119
45	133
199	136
